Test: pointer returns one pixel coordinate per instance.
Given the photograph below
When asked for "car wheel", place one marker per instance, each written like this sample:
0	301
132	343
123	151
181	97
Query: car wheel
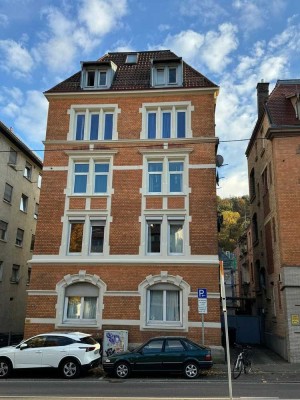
122	370
191	370
5	368
70	369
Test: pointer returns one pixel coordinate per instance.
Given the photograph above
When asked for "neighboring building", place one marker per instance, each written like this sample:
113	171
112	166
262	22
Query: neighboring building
128	216
20	181
274	179
246	281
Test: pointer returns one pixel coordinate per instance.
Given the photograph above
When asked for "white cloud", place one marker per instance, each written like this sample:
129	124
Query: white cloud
163	27
206	9
14	58
218	46
101	16
31	120
273	68
212	49
234	185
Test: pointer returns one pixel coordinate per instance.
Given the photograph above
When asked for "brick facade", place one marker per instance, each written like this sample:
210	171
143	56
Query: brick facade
125	272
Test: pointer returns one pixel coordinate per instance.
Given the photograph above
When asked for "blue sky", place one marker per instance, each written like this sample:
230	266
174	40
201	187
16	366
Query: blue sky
235	43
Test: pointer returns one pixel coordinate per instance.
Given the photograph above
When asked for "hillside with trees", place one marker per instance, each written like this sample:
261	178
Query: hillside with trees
236	218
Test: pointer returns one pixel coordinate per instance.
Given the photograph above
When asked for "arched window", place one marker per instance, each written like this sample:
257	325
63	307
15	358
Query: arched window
80	300
164	302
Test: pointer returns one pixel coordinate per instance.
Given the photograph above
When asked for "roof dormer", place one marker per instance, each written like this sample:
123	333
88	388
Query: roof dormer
167	73
295	100
97	75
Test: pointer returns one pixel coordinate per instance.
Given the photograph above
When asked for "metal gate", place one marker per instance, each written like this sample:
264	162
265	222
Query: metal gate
245	329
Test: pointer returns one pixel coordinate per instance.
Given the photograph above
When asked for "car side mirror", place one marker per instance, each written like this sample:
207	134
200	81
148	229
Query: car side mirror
23	346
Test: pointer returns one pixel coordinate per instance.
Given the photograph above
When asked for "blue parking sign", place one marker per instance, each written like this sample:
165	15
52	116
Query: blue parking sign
202	293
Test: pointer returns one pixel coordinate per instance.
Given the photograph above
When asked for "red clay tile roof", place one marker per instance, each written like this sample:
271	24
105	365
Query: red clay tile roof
137	76
279	107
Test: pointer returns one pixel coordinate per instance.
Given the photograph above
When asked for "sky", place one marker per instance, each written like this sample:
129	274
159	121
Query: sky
235	43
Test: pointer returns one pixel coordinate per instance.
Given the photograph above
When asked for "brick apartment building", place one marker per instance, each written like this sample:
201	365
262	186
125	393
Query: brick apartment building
274	179
128	224
20	182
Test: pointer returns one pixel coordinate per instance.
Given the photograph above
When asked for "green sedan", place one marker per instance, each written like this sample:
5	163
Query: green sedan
167	353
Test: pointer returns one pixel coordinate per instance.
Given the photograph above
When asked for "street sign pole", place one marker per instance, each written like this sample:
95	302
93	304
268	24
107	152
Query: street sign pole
223	297
202	307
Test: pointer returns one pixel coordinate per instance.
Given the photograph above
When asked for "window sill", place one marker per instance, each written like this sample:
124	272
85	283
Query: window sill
7	202
3	240
13	166
25	212
163	327
77	325
29	179
20	246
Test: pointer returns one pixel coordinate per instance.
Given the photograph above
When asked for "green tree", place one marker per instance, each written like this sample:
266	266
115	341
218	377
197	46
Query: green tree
235	212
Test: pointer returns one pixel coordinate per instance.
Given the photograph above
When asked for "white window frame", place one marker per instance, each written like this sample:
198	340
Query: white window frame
10	188
159	109
97	74
67	280
15	273
165	242
81	320
24	203
91	175
39	181
165	174
156	75
88	221
166	279
164	321
28	171
93	109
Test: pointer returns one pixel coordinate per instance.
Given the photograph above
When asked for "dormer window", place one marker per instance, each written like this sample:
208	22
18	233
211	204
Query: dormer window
295	100
167	72
97	74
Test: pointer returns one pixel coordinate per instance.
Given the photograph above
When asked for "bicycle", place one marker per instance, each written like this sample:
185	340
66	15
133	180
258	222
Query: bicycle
243	361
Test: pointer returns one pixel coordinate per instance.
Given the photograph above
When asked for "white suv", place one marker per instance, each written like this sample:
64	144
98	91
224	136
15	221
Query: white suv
70	352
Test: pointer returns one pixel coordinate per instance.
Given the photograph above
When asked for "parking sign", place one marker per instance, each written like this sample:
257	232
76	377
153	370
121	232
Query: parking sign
202	301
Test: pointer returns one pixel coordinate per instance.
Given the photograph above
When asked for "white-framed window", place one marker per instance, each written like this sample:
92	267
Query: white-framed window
75	236
80	300
93	122
165	235
166	175
28	171
87	236
19	237
91	177
97	228
12	157
3	230
164	305
167	75
166	120
154	236
8	193
39	181
15	274
96	78
164	302
24	203
36	211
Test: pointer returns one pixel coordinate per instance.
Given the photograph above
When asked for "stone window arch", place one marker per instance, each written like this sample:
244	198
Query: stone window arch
80	300
164	302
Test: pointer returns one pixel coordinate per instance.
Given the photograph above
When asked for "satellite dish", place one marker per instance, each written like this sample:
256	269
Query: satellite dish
219	160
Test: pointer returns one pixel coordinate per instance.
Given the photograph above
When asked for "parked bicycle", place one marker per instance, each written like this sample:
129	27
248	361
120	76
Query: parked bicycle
243	361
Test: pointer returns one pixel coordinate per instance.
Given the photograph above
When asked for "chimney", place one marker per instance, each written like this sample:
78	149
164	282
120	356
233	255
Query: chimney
262	96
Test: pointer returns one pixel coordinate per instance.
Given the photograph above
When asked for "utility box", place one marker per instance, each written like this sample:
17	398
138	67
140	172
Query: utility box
114	342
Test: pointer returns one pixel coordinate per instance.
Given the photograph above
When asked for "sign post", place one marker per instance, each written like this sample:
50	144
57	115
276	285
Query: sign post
202	307
223	298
